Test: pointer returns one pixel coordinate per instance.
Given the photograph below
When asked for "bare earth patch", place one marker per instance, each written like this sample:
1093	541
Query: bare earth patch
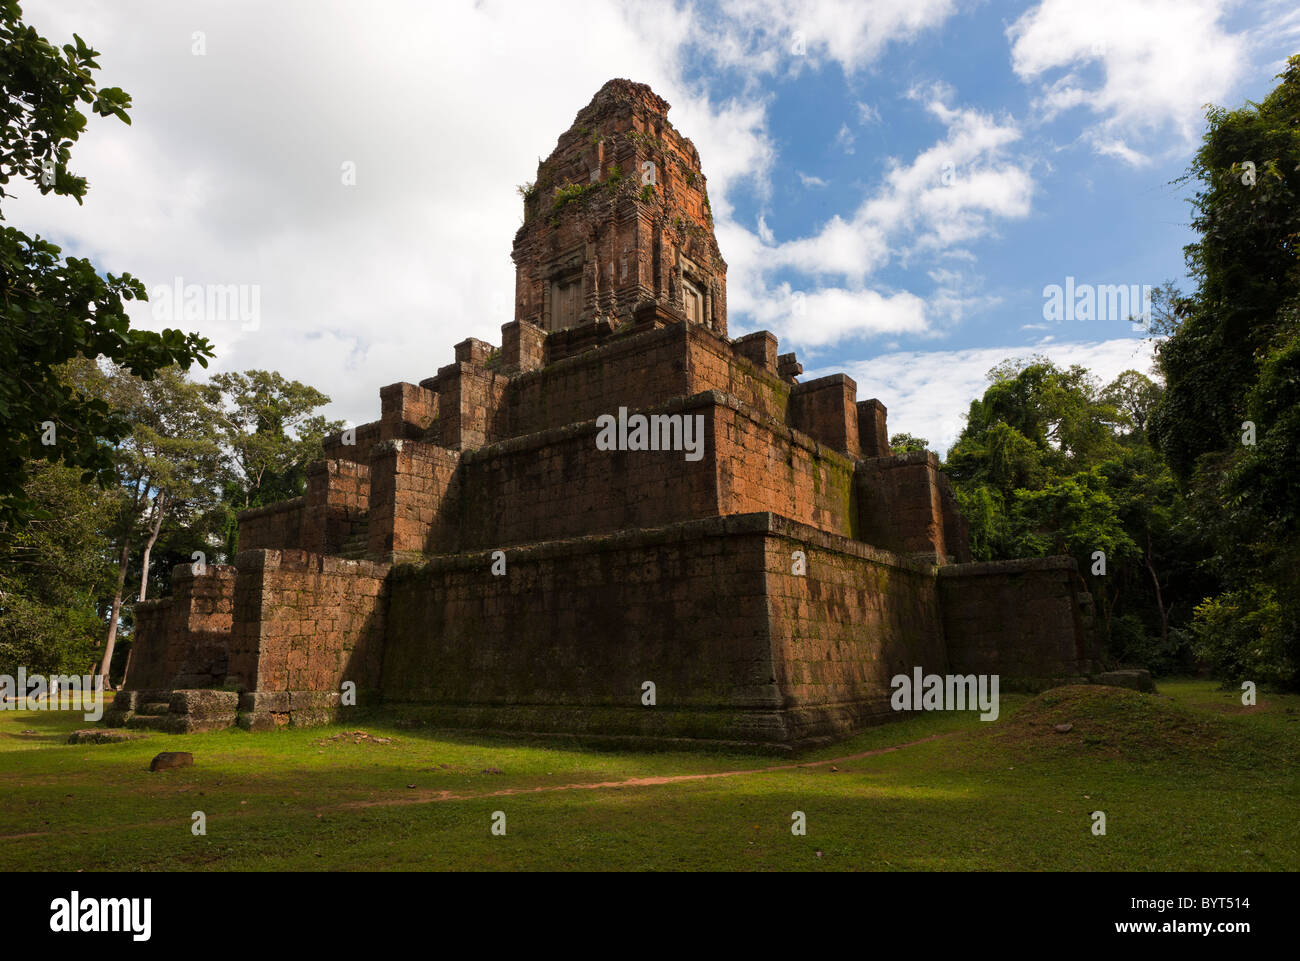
356	737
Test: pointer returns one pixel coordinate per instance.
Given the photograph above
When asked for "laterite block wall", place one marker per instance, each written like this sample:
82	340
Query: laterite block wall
1027	620
184	640
307	623
856	618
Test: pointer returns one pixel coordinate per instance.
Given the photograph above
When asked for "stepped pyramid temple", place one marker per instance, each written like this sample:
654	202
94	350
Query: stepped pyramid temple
620	523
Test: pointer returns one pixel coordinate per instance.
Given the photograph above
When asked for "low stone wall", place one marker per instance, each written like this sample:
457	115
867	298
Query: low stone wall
764	466
841	630
639	370
173	711
705	610
273	527
1027	620
184	640
566	638
905	504
558	484
338	497
363	438
712	363
827	409
306	623
413	498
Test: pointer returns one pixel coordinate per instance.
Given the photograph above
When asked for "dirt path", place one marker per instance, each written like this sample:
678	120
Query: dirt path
433	797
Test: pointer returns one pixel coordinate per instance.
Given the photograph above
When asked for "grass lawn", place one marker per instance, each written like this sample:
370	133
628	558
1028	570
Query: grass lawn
1188	780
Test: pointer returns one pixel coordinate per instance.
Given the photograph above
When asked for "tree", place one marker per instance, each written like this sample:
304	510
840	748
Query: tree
168	466
54	309
1051	462
53	570
1134	396
271	432
906	443
1247	213
1229	420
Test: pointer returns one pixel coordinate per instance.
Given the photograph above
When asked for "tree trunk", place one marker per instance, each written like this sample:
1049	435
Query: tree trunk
1109	607
1164	614
122	564
159	510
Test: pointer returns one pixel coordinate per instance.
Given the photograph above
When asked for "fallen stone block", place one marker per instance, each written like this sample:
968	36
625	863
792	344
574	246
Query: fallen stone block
171	759
99	736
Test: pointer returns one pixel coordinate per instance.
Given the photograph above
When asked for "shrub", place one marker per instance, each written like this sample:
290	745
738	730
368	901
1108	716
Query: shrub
1243	636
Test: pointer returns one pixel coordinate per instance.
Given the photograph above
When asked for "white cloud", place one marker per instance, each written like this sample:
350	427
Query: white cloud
950	194
230	171
834	315
867	114
844	139
759	33
928	393
1159	62
953	191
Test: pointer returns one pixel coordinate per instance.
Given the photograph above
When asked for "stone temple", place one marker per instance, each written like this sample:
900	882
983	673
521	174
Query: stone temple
491	554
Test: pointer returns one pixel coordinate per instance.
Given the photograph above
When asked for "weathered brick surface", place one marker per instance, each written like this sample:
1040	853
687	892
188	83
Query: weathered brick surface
713	364
1027	619
763	466
596	225
558	484
363	439
184	640
205	704
408	411
956	529
638	371
471	404
827	410
855	618
873	434
591	618
307	623
337	501
901	507
273	526
414	499
759	348
566	638
523	347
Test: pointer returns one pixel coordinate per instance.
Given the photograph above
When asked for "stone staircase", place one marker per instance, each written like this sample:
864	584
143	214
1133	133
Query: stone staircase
354	545
173	712
153	715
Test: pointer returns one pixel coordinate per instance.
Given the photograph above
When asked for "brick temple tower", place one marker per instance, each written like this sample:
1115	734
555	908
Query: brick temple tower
477	557
618	218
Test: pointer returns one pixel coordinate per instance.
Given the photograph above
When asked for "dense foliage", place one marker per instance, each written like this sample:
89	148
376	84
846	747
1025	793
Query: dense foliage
1052	462
1186	482
1229	421
55	309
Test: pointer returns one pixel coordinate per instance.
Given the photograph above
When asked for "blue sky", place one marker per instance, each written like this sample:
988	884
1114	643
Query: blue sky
894	183
1092	215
